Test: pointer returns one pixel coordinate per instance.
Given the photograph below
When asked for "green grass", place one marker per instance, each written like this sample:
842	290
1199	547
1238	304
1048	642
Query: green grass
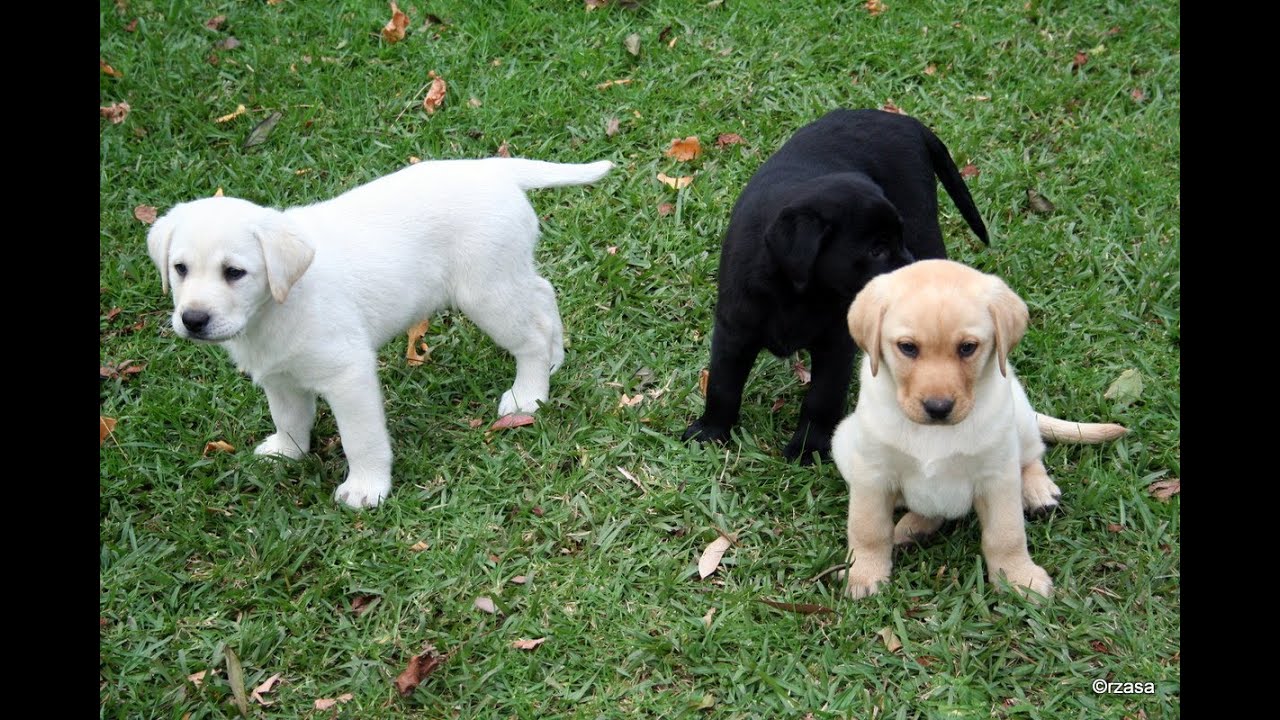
198	554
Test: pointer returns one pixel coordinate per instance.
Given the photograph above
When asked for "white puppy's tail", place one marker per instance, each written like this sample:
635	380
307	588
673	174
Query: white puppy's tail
1066	431
533	174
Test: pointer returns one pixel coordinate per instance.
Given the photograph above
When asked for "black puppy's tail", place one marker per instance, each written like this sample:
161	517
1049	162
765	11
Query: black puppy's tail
951	180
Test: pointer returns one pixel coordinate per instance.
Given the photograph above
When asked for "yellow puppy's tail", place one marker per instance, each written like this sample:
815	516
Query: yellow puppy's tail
1066	431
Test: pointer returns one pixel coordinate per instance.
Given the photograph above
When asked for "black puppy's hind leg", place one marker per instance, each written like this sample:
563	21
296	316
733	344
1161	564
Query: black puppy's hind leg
731	362
824	405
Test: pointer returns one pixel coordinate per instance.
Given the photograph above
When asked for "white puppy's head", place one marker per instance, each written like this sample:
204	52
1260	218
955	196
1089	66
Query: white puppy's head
225	258
939	327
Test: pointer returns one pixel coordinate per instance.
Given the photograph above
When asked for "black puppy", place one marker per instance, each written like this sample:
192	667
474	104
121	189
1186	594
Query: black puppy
848	197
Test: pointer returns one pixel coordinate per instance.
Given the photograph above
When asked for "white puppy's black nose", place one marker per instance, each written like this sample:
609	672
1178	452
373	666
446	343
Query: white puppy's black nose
195	320
938	408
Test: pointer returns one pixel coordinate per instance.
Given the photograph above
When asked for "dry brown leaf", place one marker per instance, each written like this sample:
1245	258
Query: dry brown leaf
593	4
612	249
419	546
107	69
632	43
802	608
519	580
514	420
235	678
475	422
684	150
706	619
666	209
891	641
106	426
474	102
675	182
1039	203
393	31
704	376
527	644
115	113
435	96
930	69
875	7
227	43
420	666
504	150
890	107
1137	95
970	170
1078	62
611	83
326	703
412	356
215	22
538	511
240	110
802	372
724	140
710	559
361	604
777	405
217	446
198	678
485	605
265	687
1115	527
277	2
132	26
611	127
628	401
1165	489
112	313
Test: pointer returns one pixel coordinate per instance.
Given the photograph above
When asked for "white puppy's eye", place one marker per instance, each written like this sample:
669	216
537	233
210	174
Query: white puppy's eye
233	273
181	269
908	349
967	349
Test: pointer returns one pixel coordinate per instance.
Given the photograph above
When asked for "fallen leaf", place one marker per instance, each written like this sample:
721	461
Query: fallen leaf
217	446
393	31
474	102
632	43
1100	646
265	687
485	605
235	676
1038	203
132	26
419	546
664	34
106	426
626	474
706	619
593	4
710	559
891	641
1115	527
412	356
706	702
724	140
666	209
802	608
514	420
612	249
980	98
115	113
361	604
538	511
875	7
630	401
435	96
227	43
677	183
1080	59
890	107
611	83
107	69
930	69
611	127
684	150
420	666
218	192
519	580
1165	489
232	115
777	405
802	372
262	130
1137	95
527	644
215	22
1126	389
504	150
112	313
197	679
326	703
970	171
704	376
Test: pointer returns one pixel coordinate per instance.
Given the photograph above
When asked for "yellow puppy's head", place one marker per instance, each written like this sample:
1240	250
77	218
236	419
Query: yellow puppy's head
938	327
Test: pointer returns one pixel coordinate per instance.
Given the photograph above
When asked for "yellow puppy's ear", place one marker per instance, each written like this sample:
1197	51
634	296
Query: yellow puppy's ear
158	238
866	316
286	256
1010	316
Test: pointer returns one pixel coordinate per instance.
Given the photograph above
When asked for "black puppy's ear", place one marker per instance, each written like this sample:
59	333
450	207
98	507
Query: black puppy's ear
794	239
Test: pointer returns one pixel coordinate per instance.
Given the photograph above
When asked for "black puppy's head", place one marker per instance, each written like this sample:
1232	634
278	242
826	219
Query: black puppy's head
836	233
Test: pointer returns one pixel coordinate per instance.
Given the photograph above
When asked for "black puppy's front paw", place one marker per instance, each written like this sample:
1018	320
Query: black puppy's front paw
804	446
706	433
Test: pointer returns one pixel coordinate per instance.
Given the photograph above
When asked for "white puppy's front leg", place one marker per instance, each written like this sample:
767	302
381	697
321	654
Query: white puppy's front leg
294	412
356	399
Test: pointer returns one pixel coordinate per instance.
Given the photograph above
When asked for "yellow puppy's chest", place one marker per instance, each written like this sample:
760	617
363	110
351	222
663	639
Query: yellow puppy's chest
944	487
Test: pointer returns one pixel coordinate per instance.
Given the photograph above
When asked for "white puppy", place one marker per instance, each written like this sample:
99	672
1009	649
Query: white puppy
942	424
303	298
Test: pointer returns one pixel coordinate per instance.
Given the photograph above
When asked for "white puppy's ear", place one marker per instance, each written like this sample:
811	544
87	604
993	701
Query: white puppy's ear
1010	315
286	256
866	317
158	238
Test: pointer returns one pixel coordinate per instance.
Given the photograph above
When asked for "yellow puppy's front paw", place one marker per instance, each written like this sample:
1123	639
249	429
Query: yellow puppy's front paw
1030	577
864	581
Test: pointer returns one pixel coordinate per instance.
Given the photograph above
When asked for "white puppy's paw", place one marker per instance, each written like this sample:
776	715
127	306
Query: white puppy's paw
279	445
363	492
863	581
1024	578
513	403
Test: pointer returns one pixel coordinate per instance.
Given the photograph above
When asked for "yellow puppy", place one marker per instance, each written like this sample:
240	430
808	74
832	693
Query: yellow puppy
942	424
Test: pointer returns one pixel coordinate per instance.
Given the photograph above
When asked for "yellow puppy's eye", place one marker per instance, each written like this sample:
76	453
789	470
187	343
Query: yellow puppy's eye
967	349
908	349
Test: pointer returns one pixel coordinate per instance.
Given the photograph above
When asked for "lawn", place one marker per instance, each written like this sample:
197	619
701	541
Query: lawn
598	507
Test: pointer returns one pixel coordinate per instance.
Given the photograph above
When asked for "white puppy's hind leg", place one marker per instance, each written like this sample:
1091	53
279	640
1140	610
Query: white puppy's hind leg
356	399
523	319
294	412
